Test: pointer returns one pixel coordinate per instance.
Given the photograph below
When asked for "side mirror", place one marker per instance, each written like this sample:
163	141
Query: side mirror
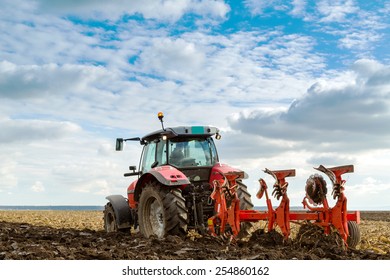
119	144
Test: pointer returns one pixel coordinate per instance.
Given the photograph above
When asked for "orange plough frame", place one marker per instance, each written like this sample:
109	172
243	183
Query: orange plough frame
228	211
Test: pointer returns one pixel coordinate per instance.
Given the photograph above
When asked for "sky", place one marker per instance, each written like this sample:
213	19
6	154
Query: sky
290	84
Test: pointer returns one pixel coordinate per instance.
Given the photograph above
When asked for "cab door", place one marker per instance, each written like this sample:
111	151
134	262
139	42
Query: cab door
154	155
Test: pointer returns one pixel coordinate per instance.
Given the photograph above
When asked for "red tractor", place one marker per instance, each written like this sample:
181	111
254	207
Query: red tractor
175	181
182	185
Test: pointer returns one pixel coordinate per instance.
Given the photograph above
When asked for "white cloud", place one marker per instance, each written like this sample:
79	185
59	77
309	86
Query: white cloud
336	11
353	26
244	64
214	8
351	116
359	40
299	7
370	193
34	130
260	7
38	187
29	37
8	175
170	10
357	29
48	80
172	59
69	170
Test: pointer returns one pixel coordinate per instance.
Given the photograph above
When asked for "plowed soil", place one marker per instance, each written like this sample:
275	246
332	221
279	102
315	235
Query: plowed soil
79	235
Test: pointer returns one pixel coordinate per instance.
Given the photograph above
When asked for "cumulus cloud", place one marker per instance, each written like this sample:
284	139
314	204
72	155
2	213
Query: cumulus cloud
37	81
353	115
32	130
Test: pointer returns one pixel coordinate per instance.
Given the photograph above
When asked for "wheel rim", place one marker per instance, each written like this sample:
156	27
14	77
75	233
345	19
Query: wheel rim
156	218
109	220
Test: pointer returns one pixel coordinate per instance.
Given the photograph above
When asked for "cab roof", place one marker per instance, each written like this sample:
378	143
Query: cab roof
181	131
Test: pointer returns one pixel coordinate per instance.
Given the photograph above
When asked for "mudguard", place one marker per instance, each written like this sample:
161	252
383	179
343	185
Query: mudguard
167	175
226	170
123	216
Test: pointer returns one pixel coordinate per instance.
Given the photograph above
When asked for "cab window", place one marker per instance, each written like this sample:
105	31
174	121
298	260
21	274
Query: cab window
191	152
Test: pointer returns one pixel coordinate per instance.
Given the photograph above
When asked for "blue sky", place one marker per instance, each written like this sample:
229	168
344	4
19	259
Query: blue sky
291	84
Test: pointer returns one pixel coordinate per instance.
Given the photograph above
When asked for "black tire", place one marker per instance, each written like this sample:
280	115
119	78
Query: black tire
244	196
354	234
110	224
245	204
161	211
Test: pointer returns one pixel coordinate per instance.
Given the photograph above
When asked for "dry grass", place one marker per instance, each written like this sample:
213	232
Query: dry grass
92	220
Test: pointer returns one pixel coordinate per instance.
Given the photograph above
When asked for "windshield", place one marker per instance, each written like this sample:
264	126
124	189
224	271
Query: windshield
191	152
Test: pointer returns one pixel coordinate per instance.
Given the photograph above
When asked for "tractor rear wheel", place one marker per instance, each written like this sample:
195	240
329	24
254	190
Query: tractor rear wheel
244	196
354	234
245	204
110	224
161	211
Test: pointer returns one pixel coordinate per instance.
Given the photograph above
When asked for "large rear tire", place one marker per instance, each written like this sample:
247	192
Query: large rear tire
161	211
354	234
244	196
245	204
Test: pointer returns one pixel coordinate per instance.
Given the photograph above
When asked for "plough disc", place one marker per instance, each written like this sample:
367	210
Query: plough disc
316	189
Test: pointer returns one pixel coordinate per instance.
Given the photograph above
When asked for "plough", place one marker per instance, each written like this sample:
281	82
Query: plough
229	216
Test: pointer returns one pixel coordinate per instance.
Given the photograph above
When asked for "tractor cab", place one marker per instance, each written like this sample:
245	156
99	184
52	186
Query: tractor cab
190	149
184	148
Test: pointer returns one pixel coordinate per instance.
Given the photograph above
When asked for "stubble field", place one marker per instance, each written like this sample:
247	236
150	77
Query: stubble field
79	235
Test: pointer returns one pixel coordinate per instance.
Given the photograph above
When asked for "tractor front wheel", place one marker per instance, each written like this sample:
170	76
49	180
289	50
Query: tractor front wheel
161	211
109	219
110	224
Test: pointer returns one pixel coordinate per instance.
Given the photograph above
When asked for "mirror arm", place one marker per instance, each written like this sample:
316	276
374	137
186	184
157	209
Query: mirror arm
131	174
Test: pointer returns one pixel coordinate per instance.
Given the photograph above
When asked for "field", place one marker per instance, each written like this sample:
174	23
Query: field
79	235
